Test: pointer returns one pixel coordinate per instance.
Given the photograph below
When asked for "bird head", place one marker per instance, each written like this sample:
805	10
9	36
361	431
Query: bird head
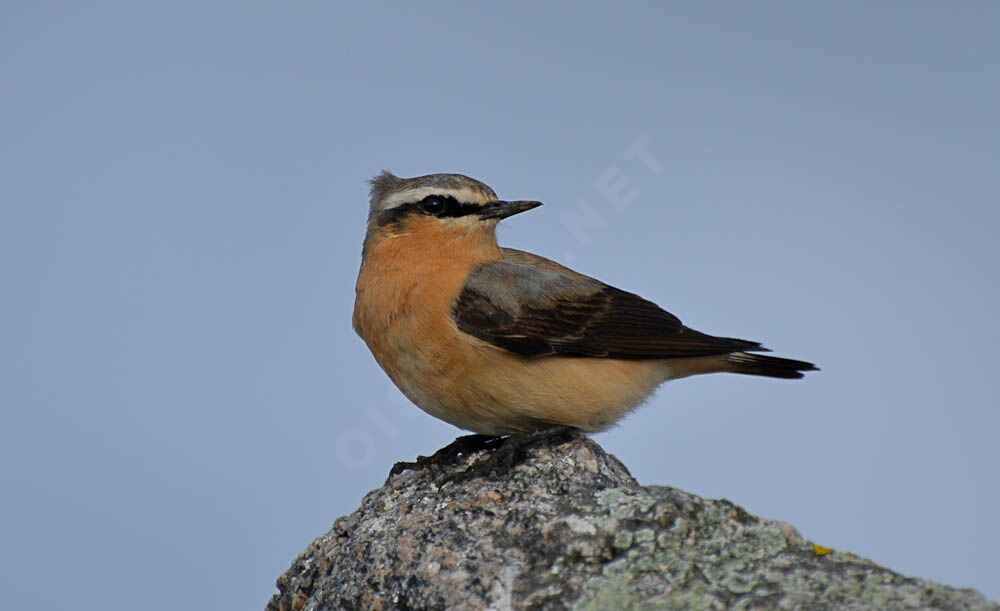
437	206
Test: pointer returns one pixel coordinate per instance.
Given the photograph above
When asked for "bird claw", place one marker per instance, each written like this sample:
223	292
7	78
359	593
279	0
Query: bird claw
509	452
447	455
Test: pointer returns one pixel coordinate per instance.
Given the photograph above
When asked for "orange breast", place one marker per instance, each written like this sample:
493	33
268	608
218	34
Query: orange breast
405	292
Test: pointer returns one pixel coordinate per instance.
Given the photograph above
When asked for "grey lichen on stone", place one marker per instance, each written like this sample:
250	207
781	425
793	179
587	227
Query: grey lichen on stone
570	529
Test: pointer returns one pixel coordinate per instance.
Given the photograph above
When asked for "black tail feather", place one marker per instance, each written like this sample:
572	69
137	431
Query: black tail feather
769	366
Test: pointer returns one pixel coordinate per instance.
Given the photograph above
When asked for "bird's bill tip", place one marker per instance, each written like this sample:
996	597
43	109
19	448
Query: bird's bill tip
502	209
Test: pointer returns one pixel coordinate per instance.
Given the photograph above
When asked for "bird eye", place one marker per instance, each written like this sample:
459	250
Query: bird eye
433	204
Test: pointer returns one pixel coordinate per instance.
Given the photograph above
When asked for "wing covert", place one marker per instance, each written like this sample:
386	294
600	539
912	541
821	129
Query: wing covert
538	311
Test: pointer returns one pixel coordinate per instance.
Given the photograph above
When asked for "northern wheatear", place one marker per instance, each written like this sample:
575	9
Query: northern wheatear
496	340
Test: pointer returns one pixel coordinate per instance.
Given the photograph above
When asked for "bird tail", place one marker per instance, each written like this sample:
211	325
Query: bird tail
768	366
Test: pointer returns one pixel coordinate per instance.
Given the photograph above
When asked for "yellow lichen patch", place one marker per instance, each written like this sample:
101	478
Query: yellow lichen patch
819	550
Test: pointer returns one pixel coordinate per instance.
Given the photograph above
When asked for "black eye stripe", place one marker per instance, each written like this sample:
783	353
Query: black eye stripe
446	206
450	208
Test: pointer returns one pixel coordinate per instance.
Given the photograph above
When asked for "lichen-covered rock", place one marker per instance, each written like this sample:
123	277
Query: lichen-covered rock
570	529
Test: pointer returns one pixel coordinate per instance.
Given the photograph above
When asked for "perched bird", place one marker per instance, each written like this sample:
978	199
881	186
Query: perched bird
499	341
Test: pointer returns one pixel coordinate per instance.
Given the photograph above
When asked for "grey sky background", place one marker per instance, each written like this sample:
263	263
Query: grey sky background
185	405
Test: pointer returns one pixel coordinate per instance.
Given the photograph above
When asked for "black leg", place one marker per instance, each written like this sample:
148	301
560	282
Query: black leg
448	454
510	452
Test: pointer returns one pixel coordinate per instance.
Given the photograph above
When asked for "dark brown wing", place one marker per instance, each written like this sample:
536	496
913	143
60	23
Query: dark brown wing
538	312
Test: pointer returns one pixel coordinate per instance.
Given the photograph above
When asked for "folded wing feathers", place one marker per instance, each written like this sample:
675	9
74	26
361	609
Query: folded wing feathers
536	314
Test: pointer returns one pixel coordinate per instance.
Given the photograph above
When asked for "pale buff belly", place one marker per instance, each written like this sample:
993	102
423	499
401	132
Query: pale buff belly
478	387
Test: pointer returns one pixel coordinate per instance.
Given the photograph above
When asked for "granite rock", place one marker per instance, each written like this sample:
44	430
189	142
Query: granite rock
569	528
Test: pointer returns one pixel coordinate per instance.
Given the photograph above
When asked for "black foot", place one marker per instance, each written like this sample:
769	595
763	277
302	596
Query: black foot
510	452
449	454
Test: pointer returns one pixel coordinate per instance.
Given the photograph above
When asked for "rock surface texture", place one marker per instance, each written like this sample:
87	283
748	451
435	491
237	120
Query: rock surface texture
569	528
